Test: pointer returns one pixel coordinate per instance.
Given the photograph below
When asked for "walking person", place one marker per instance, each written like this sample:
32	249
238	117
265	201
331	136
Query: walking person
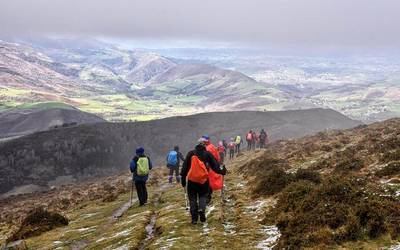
140	167
254	140
231	148
173	162
263	138
249	139
196	169
221	151
238	142
225	146
212	175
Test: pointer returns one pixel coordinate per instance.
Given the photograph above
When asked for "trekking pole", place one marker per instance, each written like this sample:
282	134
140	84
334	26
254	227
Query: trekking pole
131	191
222	190
186	199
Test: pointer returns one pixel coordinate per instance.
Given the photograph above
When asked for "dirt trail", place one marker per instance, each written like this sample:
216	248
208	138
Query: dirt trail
165	222
237	215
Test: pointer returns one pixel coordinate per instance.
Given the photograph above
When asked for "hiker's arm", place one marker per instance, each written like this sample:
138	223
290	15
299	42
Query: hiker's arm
185	168
181	156
214	165
150	164
133	166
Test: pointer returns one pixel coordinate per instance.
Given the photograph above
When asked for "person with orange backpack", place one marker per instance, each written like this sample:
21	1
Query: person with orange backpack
216	180
196	169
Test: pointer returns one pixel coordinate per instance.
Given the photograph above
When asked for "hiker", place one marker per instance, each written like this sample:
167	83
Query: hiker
173	163
221	151
140	167
225	146
238	142
263	138
249	139
231	147
214	152
254	140
196	168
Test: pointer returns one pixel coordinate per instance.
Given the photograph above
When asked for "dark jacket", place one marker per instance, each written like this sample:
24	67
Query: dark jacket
180	157
133	167
205	157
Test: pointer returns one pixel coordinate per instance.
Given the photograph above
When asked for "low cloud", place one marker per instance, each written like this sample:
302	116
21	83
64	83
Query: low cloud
341	23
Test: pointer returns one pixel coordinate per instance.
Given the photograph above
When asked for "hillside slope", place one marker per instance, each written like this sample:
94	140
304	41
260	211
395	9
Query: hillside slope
246	218
104	148
18	122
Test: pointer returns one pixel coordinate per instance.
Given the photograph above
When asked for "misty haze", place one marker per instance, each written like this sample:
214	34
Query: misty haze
199	124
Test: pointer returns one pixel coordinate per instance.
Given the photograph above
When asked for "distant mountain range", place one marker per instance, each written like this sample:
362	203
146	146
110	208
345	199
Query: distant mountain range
79	152
121	84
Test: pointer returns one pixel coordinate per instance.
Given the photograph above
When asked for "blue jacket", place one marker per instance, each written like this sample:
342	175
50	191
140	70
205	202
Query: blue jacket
133	167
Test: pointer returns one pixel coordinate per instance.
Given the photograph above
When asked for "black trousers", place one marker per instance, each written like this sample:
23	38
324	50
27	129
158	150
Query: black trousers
237	149
222	156
141	191
197	194
231	153
249	145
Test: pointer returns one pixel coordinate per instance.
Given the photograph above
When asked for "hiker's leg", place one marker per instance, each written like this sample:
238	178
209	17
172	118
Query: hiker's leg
178	177
171	174
202	203
208	195
192	194
139	192
145	195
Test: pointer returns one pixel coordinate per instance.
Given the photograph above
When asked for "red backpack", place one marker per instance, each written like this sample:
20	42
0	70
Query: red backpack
213	150
216	181
249	136
198	171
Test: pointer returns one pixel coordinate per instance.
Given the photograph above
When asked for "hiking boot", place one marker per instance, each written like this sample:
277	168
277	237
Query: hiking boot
202	216
194	219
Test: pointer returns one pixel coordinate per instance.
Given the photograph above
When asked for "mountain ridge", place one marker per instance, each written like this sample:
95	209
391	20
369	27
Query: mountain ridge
104	148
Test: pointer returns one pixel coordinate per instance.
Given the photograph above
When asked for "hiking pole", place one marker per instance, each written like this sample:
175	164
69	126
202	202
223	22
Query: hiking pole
186	199
222	190
131	191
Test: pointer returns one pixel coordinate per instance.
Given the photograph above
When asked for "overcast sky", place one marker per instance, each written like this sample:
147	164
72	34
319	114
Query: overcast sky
322	23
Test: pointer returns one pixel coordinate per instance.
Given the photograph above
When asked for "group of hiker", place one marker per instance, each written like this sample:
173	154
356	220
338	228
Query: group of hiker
255	139
202	170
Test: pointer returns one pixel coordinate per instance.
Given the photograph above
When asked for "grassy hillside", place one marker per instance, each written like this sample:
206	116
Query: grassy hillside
334	190
104	148
337	188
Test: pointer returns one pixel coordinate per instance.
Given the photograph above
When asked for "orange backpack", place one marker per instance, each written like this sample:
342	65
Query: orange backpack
216	180
213	150
198	171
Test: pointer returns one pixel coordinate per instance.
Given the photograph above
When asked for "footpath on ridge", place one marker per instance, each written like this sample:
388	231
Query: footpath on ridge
165	223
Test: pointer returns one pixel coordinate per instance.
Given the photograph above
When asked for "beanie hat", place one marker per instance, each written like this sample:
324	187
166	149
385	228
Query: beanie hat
140	151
